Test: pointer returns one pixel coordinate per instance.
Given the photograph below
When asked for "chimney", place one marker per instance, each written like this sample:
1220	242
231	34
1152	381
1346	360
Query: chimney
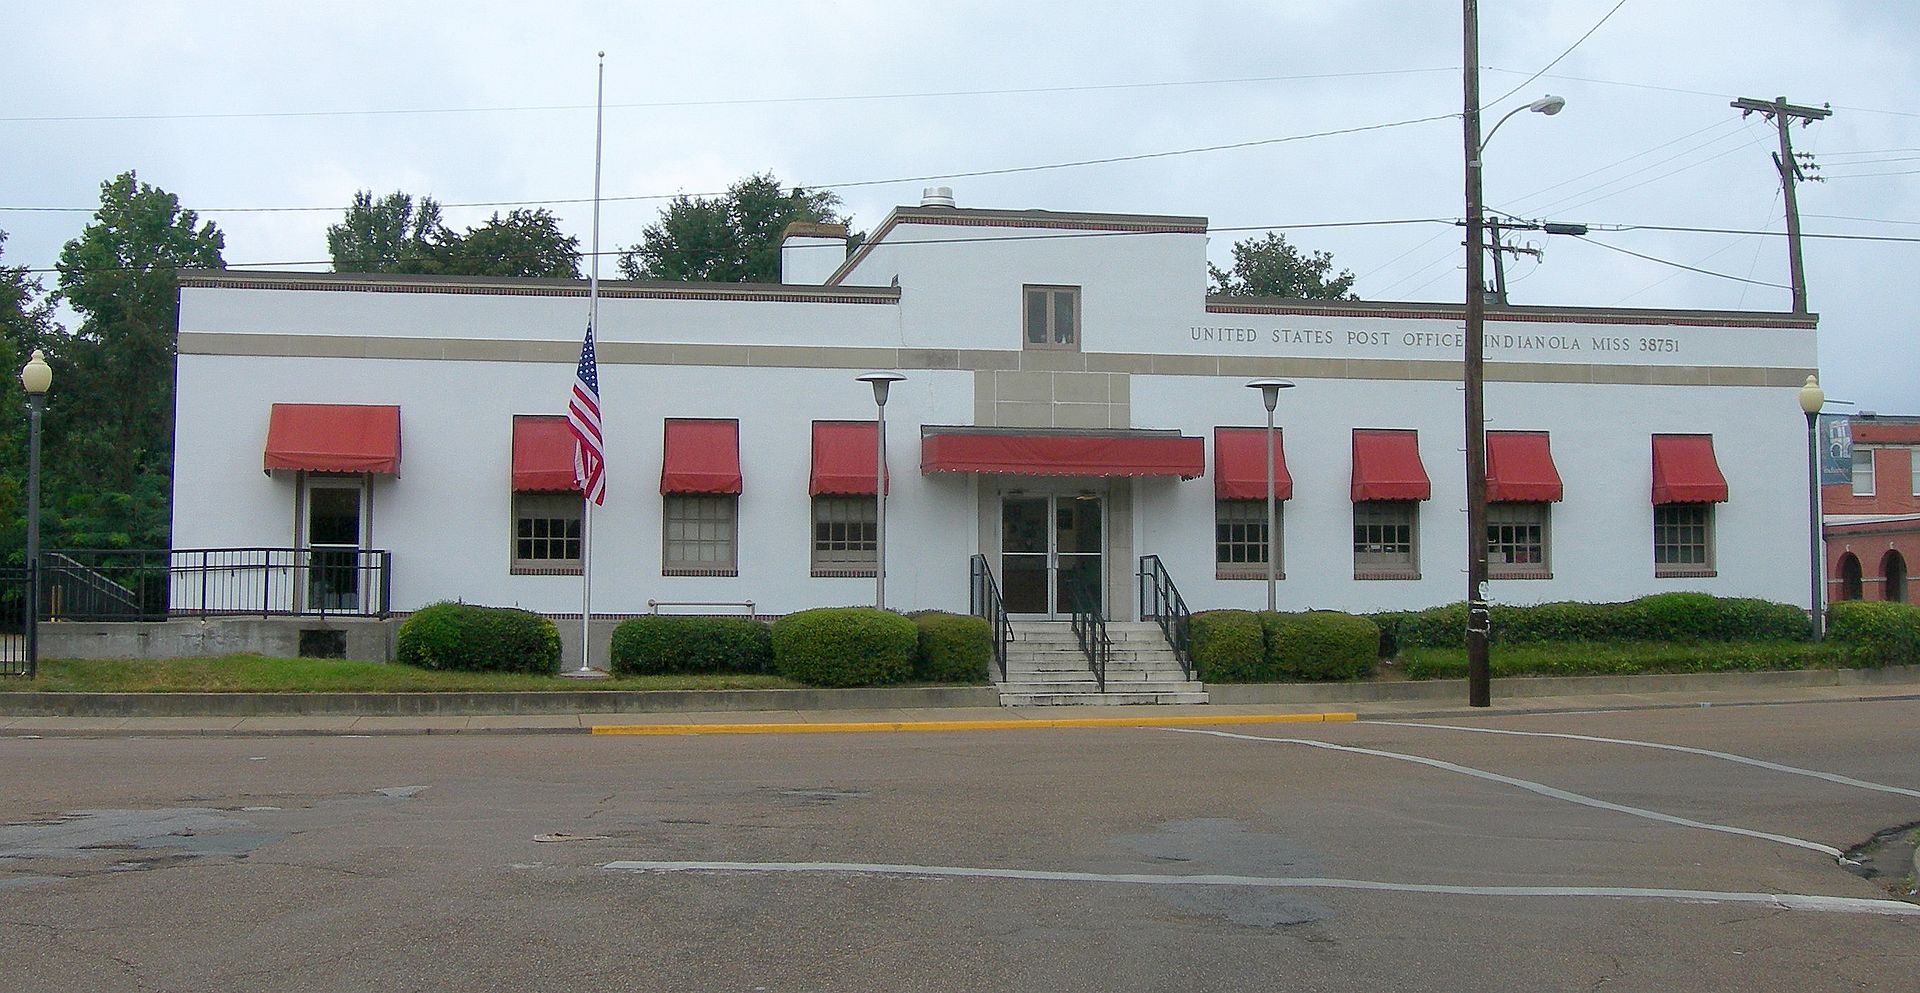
936	196
810	252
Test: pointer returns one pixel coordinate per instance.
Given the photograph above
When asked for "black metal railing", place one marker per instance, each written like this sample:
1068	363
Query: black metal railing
983	600
153	585
1161	601
16	653
1090	627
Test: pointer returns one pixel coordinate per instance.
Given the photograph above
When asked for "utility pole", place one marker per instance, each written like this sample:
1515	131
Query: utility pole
1479	692
1499	249
1783	115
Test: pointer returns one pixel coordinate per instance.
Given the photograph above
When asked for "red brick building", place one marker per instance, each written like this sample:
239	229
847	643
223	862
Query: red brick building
1872	522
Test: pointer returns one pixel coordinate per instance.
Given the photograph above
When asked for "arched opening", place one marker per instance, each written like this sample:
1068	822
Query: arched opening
1894	568
1849	577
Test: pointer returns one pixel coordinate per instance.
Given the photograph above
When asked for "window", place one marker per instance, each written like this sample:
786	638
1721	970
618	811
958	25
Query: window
546	532
1385	539
1913	460
846	538
1240	539
1862	471
702	535
1517	541
1053	317
1683	539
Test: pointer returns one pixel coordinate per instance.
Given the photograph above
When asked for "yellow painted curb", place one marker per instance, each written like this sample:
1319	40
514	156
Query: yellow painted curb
998	725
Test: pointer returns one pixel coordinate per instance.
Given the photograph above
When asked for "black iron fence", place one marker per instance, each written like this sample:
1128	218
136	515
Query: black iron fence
15	657
151	585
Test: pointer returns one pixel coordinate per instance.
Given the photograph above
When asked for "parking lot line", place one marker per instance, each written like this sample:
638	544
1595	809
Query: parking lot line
1540	788
1708	752
1782	901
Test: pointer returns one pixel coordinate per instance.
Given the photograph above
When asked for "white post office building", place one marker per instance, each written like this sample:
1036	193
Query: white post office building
1073	401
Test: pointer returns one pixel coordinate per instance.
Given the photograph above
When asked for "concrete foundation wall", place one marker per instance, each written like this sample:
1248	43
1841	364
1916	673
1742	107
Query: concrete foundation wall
367	639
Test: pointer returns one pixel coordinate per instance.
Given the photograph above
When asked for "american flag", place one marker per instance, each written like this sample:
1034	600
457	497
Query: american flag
583	416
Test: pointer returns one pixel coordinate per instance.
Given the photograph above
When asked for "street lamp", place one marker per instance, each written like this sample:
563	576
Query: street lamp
882	382
1812	398
1270	395
37	378
1479	617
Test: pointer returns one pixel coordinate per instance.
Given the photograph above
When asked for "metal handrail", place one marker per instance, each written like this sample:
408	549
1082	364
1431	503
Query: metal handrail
1090	626
983	600
1161	601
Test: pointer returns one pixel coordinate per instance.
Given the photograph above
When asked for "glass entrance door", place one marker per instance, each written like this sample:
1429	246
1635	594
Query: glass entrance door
1048	541
333	545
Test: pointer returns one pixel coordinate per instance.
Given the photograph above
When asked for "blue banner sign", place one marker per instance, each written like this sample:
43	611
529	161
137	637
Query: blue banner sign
1836	449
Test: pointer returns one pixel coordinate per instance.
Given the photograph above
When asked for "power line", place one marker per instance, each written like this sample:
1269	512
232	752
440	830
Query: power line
1556	59
1869	175
1683	90
1870	220
1678	265
1010	170
735	102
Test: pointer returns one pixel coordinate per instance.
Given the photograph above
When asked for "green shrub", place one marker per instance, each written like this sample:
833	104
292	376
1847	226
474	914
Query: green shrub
844	646
1628	658
472	638
952	648
1877	632
1669	617
1388	622
1228	646
656	644
1320	645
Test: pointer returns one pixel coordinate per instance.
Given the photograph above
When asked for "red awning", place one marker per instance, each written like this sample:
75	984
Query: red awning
1685	471
1520	468
702	456
543	456
1036	453
1386	466
333	437
844	459
1240	465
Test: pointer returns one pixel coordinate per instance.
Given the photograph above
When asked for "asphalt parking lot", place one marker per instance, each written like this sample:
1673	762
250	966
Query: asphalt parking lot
1361	856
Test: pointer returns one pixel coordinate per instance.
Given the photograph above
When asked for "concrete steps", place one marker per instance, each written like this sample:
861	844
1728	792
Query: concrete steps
1045	667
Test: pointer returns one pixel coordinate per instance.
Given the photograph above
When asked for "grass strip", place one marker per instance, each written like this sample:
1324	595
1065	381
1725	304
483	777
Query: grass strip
258	674
1628	658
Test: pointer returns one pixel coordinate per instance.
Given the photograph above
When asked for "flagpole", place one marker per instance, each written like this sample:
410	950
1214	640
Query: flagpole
593	320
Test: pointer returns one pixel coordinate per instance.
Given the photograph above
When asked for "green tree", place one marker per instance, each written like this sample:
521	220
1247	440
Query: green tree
731	238
110	420
1269	267
26	323
392	234
397	233
524	243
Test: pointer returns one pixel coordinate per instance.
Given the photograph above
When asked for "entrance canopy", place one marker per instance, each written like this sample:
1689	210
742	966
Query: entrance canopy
1043	452
334	437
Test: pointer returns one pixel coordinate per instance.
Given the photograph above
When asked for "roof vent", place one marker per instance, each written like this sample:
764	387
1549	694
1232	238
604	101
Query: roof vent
936	196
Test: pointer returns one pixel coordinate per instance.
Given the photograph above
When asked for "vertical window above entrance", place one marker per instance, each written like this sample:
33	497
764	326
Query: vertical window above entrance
1052	317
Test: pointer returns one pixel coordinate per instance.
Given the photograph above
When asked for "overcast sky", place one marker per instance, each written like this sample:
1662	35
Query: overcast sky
252	105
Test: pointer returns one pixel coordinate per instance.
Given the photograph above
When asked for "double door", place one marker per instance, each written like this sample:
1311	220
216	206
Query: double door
1050	544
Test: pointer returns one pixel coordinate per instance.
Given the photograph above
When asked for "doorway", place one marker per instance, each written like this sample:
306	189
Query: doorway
1052	545
335	528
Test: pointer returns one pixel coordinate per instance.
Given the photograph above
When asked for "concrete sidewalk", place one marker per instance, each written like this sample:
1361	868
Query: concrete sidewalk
905	719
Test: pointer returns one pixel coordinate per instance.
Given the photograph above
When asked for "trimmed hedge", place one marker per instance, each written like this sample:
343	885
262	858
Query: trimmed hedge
952	648
657	644
1630	658
1878	632
844	646
1670	617
1320	645
1228	646
471	638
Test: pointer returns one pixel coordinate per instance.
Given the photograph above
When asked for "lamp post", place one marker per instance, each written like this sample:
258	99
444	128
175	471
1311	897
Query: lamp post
1479	617
881	381
1812	398
1270	395
36	377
